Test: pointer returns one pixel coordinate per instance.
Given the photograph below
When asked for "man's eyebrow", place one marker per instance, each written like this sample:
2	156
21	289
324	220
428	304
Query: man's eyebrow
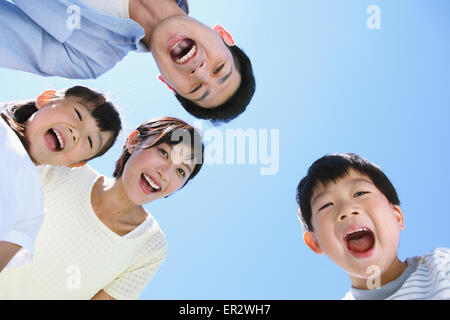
225	77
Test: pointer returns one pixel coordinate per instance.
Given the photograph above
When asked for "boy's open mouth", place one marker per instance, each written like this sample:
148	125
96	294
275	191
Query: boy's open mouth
183	51
54	140
149	185
360	242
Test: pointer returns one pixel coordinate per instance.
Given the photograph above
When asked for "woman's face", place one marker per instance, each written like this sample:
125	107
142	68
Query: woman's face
152	173
64	132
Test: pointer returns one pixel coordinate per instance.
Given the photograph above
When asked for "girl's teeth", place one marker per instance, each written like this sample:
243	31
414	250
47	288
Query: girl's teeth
187	55
60	139
150	182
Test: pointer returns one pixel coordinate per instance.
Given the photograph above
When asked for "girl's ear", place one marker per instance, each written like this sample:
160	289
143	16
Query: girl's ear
311	241
45	98
162	80
226	36
132	141
82	163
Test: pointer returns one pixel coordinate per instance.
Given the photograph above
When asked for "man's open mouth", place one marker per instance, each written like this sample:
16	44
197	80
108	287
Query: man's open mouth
54	140
183	51
149	185
360	242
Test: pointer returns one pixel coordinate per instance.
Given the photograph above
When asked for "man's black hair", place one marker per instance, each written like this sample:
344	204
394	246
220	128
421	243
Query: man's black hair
332	167
237	103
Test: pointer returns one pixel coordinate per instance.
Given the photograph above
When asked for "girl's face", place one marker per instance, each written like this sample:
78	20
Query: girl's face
156	172
64	133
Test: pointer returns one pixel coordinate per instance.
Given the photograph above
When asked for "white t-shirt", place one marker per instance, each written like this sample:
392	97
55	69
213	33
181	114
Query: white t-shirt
426	277
76	254
21	197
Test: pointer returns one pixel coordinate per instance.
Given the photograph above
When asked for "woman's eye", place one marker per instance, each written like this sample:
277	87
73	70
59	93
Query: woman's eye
219	69
359	193
164	153
197	88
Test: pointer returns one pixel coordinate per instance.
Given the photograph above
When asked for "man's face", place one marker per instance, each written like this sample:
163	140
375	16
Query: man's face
194	60
355	224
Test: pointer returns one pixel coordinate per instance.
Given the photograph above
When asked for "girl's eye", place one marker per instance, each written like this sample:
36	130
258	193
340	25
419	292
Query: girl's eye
359	193
325	206
79	115
90	142
219	69
164	153
181	172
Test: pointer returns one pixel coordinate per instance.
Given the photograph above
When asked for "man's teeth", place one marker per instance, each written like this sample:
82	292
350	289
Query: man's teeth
187	55
357	230
60	139
151	182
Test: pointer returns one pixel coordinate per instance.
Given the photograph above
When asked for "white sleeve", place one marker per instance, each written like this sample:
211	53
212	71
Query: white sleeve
115	8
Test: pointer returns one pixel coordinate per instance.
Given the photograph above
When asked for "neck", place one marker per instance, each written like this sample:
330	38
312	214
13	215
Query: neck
150	13
392	273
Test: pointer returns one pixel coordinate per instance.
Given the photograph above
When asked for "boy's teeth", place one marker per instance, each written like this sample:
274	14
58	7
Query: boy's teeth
150	182
357	230
187	55
60	139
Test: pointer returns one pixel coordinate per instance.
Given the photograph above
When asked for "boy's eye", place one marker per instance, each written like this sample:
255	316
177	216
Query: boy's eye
219	68
197	88
325	206
79	115
359	193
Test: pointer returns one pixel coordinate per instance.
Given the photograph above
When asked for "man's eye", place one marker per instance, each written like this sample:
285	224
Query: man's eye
359	193
79	115
325	206
219	68
196	88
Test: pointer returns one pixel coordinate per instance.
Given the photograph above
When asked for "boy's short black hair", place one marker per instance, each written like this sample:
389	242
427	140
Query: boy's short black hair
332	167
237	103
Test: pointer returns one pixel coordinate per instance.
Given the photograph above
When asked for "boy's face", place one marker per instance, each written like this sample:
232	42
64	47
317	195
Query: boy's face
194	60
64	133
355	225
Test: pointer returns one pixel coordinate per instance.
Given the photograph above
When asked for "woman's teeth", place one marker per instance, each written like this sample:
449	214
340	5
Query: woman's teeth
151	182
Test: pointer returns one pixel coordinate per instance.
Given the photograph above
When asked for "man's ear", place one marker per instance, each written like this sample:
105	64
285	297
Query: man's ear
311	241
163	81
45	98
132	141
226	36
399	216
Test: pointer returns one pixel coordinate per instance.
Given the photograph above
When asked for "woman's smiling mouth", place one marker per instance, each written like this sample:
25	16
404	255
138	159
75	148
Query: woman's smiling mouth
149	185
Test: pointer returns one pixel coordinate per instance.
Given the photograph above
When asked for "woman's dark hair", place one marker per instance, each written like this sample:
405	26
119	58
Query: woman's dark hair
104	112
332	167
237	103
167	130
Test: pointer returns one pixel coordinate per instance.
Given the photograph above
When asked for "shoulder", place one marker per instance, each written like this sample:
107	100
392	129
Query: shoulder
183	4
439	256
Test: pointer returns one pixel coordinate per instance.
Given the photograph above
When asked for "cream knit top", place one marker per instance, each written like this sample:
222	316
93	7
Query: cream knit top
76	255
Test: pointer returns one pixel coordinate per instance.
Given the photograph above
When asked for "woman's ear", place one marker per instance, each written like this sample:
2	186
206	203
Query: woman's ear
168	86
44	98
226	36
399	216
132	141
311	241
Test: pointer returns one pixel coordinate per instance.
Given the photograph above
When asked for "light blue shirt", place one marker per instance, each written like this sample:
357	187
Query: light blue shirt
44	37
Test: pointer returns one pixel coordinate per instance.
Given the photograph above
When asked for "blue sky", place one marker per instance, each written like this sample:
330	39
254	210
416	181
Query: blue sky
327	84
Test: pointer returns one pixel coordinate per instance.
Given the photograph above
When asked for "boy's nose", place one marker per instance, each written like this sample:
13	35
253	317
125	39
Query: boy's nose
343	215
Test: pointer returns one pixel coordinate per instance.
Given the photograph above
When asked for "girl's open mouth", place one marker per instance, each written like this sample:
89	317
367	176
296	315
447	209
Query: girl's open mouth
360	242
54	140
149	185
183	51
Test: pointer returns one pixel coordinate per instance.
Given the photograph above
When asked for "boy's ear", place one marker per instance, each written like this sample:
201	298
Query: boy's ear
44	98
163	81
399	216
311	242
132	141
226	36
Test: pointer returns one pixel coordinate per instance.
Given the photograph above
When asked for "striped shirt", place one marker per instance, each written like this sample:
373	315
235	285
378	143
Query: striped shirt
427	277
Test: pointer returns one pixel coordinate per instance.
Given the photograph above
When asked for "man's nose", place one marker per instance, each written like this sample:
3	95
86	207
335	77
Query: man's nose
201	72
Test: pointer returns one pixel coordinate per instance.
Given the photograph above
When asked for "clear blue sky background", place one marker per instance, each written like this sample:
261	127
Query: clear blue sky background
329	84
